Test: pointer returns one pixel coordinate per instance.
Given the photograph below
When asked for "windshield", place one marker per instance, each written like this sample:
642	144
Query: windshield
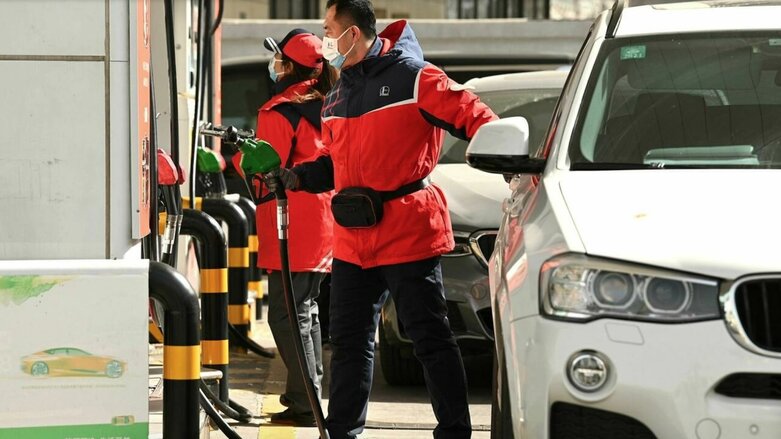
535	105
704	100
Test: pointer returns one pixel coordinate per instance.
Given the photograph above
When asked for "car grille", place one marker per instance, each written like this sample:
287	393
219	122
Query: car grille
483	245
751	385
758	304
569	421
455	318
487	319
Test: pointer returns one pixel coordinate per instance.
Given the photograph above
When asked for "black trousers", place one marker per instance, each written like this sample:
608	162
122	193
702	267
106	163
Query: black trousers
357	296
306	287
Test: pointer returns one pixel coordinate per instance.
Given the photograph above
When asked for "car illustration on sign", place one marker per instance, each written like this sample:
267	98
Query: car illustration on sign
66	362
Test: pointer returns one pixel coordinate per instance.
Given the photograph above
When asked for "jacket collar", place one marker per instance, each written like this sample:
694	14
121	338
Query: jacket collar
398	40
289	90
283	84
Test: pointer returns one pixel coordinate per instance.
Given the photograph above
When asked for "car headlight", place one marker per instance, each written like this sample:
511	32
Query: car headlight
578	287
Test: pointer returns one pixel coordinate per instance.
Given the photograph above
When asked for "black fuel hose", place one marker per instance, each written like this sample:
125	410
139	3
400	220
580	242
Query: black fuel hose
218	21
242	415
226	429
173	96
199	95
238	407
290	305
150	248
250	344
173	87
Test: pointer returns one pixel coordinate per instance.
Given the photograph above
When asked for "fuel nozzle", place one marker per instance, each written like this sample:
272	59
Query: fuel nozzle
228	134
257	156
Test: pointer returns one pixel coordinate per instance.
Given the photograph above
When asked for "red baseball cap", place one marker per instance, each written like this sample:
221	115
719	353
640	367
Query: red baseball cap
299	45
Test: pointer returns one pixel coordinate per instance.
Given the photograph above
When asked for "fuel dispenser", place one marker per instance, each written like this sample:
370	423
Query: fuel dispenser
77	218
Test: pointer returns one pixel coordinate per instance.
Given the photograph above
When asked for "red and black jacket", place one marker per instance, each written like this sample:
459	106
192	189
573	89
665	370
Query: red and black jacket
382	128
291	126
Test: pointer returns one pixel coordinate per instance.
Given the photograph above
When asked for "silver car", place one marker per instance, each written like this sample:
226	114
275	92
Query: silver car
474	199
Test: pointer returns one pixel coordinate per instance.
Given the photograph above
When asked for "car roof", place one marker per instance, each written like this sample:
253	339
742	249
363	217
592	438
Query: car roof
549	79
639	17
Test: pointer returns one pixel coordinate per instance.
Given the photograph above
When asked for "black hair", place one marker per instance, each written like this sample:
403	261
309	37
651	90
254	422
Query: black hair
359	12
326	77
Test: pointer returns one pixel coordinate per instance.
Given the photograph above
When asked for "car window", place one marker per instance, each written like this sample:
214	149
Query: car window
244	90
535	105
75	352
705	100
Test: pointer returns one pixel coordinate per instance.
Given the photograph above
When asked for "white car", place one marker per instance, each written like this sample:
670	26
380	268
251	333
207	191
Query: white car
636	277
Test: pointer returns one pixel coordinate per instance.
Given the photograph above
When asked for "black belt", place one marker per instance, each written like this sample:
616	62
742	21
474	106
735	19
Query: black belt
407	189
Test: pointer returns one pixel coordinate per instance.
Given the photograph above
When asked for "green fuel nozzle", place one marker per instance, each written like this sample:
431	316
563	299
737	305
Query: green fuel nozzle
258	157
209	161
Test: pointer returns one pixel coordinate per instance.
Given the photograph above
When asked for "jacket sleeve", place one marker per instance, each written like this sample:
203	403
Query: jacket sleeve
316	176
446	104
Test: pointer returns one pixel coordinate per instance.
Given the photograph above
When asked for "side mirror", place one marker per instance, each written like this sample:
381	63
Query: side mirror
502	147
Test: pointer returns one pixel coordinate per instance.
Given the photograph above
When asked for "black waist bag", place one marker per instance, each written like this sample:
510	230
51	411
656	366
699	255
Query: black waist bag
361	207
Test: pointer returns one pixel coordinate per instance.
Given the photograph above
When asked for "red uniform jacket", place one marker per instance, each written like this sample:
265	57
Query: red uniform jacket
310	235
382	128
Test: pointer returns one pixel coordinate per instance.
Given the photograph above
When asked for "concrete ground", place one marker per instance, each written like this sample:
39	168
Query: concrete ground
394	412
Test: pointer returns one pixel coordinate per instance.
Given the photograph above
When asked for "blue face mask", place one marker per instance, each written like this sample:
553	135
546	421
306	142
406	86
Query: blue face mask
271	72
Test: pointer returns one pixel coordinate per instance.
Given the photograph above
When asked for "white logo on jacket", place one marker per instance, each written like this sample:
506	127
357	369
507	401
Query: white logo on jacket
385	91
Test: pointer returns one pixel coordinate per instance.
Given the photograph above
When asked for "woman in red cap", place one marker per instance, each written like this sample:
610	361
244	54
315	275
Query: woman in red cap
290	122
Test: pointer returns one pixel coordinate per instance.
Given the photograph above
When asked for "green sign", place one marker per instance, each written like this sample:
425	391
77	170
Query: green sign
633	52
107	431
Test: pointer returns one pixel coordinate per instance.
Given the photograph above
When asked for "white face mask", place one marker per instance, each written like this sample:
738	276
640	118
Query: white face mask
272	72
331	50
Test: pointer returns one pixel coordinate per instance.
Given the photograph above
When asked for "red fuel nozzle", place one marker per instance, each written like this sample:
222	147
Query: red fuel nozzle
167	173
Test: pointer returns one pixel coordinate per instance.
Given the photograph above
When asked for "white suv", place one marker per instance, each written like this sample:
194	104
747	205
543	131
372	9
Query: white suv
636	278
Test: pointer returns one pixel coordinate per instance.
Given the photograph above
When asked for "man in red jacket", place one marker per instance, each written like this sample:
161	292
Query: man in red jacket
382	135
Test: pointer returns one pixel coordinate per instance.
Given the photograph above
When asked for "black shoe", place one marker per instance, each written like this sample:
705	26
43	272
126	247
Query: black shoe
284	401
295	419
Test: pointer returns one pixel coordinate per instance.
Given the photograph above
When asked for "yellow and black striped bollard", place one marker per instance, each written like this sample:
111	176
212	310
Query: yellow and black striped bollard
214	292
238	263
255	273
181	351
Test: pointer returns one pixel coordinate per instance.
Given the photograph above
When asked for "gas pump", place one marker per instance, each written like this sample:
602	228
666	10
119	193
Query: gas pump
171	195
78	238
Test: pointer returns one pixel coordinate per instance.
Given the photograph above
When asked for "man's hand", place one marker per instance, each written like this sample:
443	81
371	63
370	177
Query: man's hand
287	177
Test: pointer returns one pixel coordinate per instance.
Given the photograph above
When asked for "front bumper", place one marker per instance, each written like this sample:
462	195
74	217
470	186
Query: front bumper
662	375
